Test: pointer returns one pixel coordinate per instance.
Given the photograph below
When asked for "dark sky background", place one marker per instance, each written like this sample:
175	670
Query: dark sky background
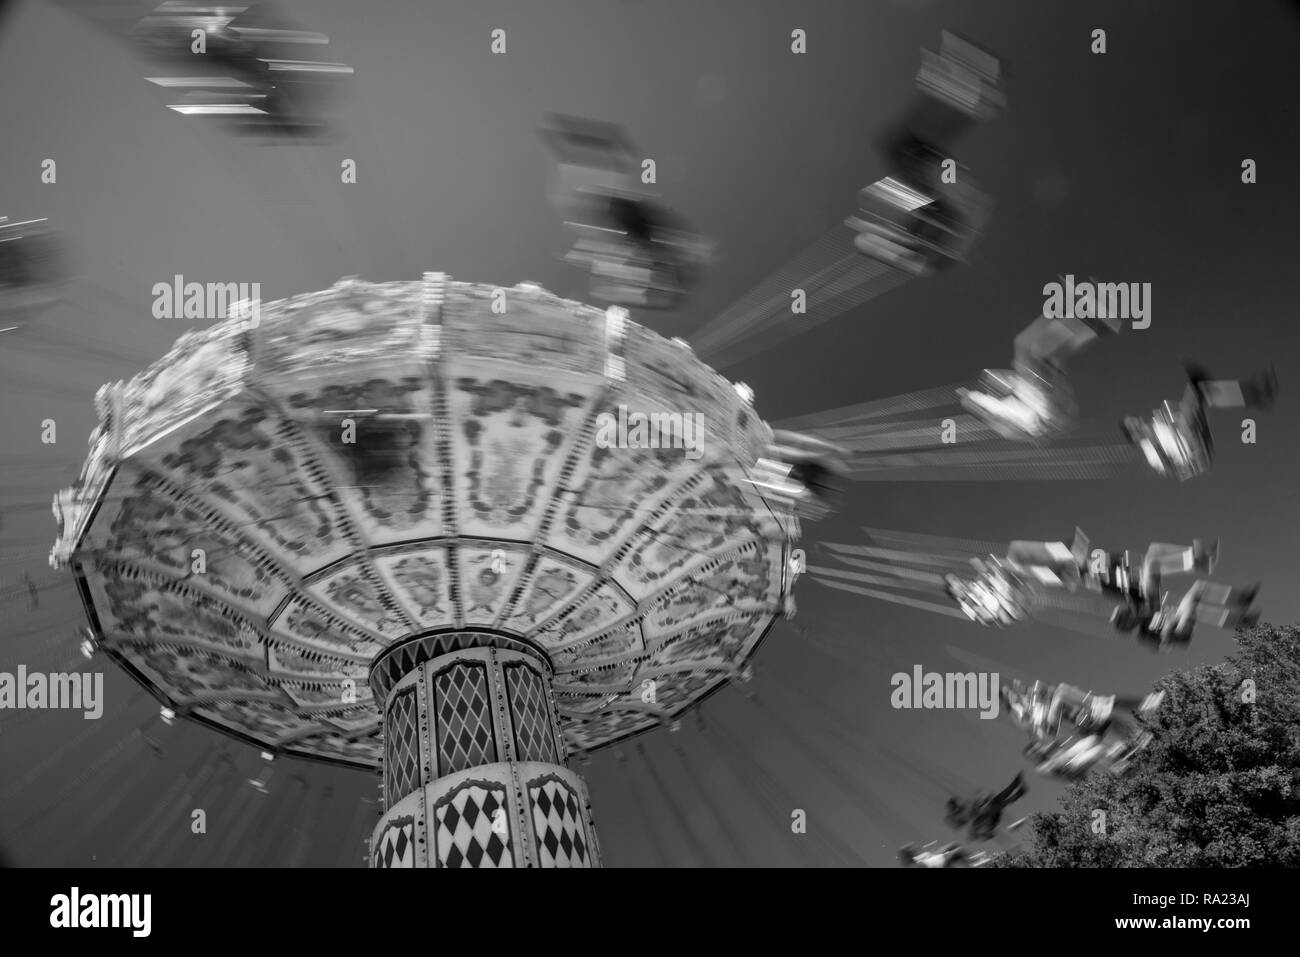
1124	166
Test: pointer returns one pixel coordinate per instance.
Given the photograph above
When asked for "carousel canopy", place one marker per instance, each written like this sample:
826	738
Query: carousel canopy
289	494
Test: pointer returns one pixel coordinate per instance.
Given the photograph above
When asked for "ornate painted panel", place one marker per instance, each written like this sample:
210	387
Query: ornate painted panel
475	491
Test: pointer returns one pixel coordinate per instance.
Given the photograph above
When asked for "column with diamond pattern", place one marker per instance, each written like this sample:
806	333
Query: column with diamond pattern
473	773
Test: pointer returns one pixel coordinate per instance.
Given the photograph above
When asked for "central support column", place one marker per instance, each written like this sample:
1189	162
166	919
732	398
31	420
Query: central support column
473	761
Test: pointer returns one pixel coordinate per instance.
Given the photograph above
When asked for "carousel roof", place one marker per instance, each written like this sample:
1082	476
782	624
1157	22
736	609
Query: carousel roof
247	562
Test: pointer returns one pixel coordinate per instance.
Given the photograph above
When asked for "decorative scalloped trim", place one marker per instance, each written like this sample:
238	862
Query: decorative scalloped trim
434	301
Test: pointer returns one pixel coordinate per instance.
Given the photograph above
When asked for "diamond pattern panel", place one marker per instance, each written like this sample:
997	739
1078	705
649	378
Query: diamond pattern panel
464	714
557	820
397	844
527	694
402	744
471	828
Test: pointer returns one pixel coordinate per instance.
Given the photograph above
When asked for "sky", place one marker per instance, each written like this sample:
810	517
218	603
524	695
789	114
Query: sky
1123	166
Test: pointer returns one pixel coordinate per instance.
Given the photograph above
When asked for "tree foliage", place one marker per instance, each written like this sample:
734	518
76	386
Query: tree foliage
1219	786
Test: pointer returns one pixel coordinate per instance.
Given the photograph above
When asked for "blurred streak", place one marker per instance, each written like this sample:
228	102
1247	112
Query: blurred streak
969	545
893	572
730	323
853	284
218	109
893	578
872	429
914	435
801	473
254	75
875	408
657	843
211	82
812	748
637	251
1106	454
916	558
982	473
306	66
306	829
33	272
896	599
147	836
919	575
362	820
777	801
910	224
917	220
1062	464
698	848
